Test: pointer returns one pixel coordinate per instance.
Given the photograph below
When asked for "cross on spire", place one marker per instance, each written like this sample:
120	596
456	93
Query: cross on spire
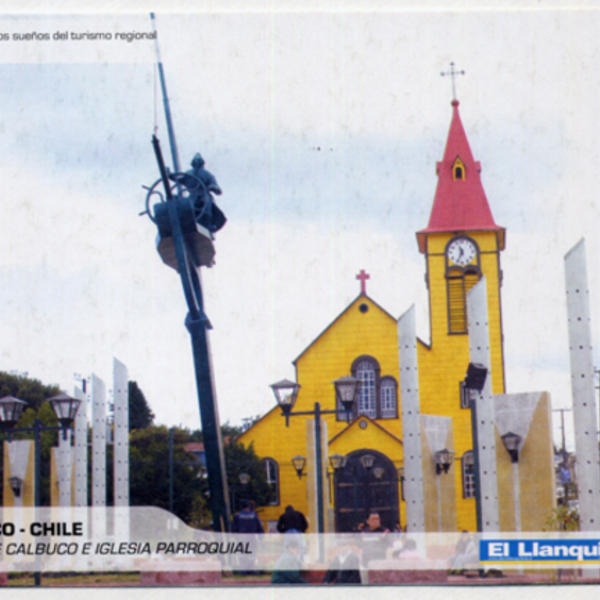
362	276
453	74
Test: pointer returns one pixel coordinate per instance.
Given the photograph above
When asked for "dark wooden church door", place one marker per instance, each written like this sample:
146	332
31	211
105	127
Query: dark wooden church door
360	490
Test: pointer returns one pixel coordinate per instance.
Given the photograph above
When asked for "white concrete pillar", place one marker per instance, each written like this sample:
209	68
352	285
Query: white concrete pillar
439	435
121	448
585	413
98	454
20	452
121	435
81	450
64	469
411	428
479	352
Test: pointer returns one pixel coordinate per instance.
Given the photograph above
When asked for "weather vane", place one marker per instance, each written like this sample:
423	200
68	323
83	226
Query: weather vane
453	74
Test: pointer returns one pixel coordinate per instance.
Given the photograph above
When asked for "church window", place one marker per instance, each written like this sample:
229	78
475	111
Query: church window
459	283
465	395
388	398
272	469
377	396
458	170
367	394
468	474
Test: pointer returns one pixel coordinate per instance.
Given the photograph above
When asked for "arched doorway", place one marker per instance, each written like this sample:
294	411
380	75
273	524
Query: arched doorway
359	490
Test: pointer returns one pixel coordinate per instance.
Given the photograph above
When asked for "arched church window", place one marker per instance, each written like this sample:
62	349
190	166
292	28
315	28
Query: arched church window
458	170
389	398
272	471
366	369
468	474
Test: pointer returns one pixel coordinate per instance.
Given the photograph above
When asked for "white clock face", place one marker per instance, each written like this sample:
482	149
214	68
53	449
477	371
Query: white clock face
461	252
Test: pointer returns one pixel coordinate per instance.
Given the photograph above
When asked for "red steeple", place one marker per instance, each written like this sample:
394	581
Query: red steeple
460	203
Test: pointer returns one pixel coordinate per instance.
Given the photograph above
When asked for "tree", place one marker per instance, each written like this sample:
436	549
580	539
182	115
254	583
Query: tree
140	414
32	391
149	470
238	460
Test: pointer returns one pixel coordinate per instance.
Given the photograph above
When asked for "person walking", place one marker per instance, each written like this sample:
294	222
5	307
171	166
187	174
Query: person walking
292	521
247	521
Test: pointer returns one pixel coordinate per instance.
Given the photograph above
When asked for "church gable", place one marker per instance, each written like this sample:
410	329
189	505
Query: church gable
359	316
364	432
361	342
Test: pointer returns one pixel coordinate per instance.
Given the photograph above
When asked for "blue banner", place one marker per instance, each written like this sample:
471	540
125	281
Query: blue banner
539	551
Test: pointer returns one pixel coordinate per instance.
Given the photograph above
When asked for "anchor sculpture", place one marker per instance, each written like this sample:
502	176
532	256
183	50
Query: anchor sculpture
186	218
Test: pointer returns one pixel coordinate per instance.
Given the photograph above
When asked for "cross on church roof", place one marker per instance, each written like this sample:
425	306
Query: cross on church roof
453	74
363	281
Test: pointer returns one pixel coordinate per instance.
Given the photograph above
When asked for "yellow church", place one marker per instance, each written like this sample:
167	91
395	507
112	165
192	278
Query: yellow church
461	244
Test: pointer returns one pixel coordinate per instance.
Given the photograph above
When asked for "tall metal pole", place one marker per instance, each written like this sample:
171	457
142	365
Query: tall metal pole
473	407
319	468
171	470
197	324
479	512
37	477
163	85
439	501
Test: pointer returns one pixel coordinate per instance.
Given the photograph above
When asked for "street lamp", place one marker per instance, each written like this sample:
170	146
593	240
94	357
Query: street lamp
286	393
10	411
346	392
299	462
443	461
65	408
367	460
378	472
337	461
16	483
476	376
512	442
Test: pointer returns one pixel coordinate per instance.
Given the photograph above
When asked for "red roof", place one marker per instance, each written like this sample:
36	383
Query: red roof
459	204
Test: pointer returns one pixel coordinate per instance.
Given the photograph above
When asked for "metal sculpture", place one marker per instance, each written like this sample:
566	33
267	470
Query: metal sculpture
186	218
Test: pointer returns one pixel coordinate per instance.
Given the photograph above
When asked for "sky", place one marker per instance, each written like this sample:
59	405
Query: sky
323	128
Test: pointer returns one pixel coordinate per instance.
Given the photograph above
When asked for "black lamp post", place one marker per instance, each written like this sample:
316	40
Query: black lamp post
286	394
65	408
475	382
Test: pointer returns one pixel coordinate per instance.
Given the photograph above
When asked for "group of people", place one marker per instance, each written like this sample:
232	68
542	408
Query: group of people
353	552
371	543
